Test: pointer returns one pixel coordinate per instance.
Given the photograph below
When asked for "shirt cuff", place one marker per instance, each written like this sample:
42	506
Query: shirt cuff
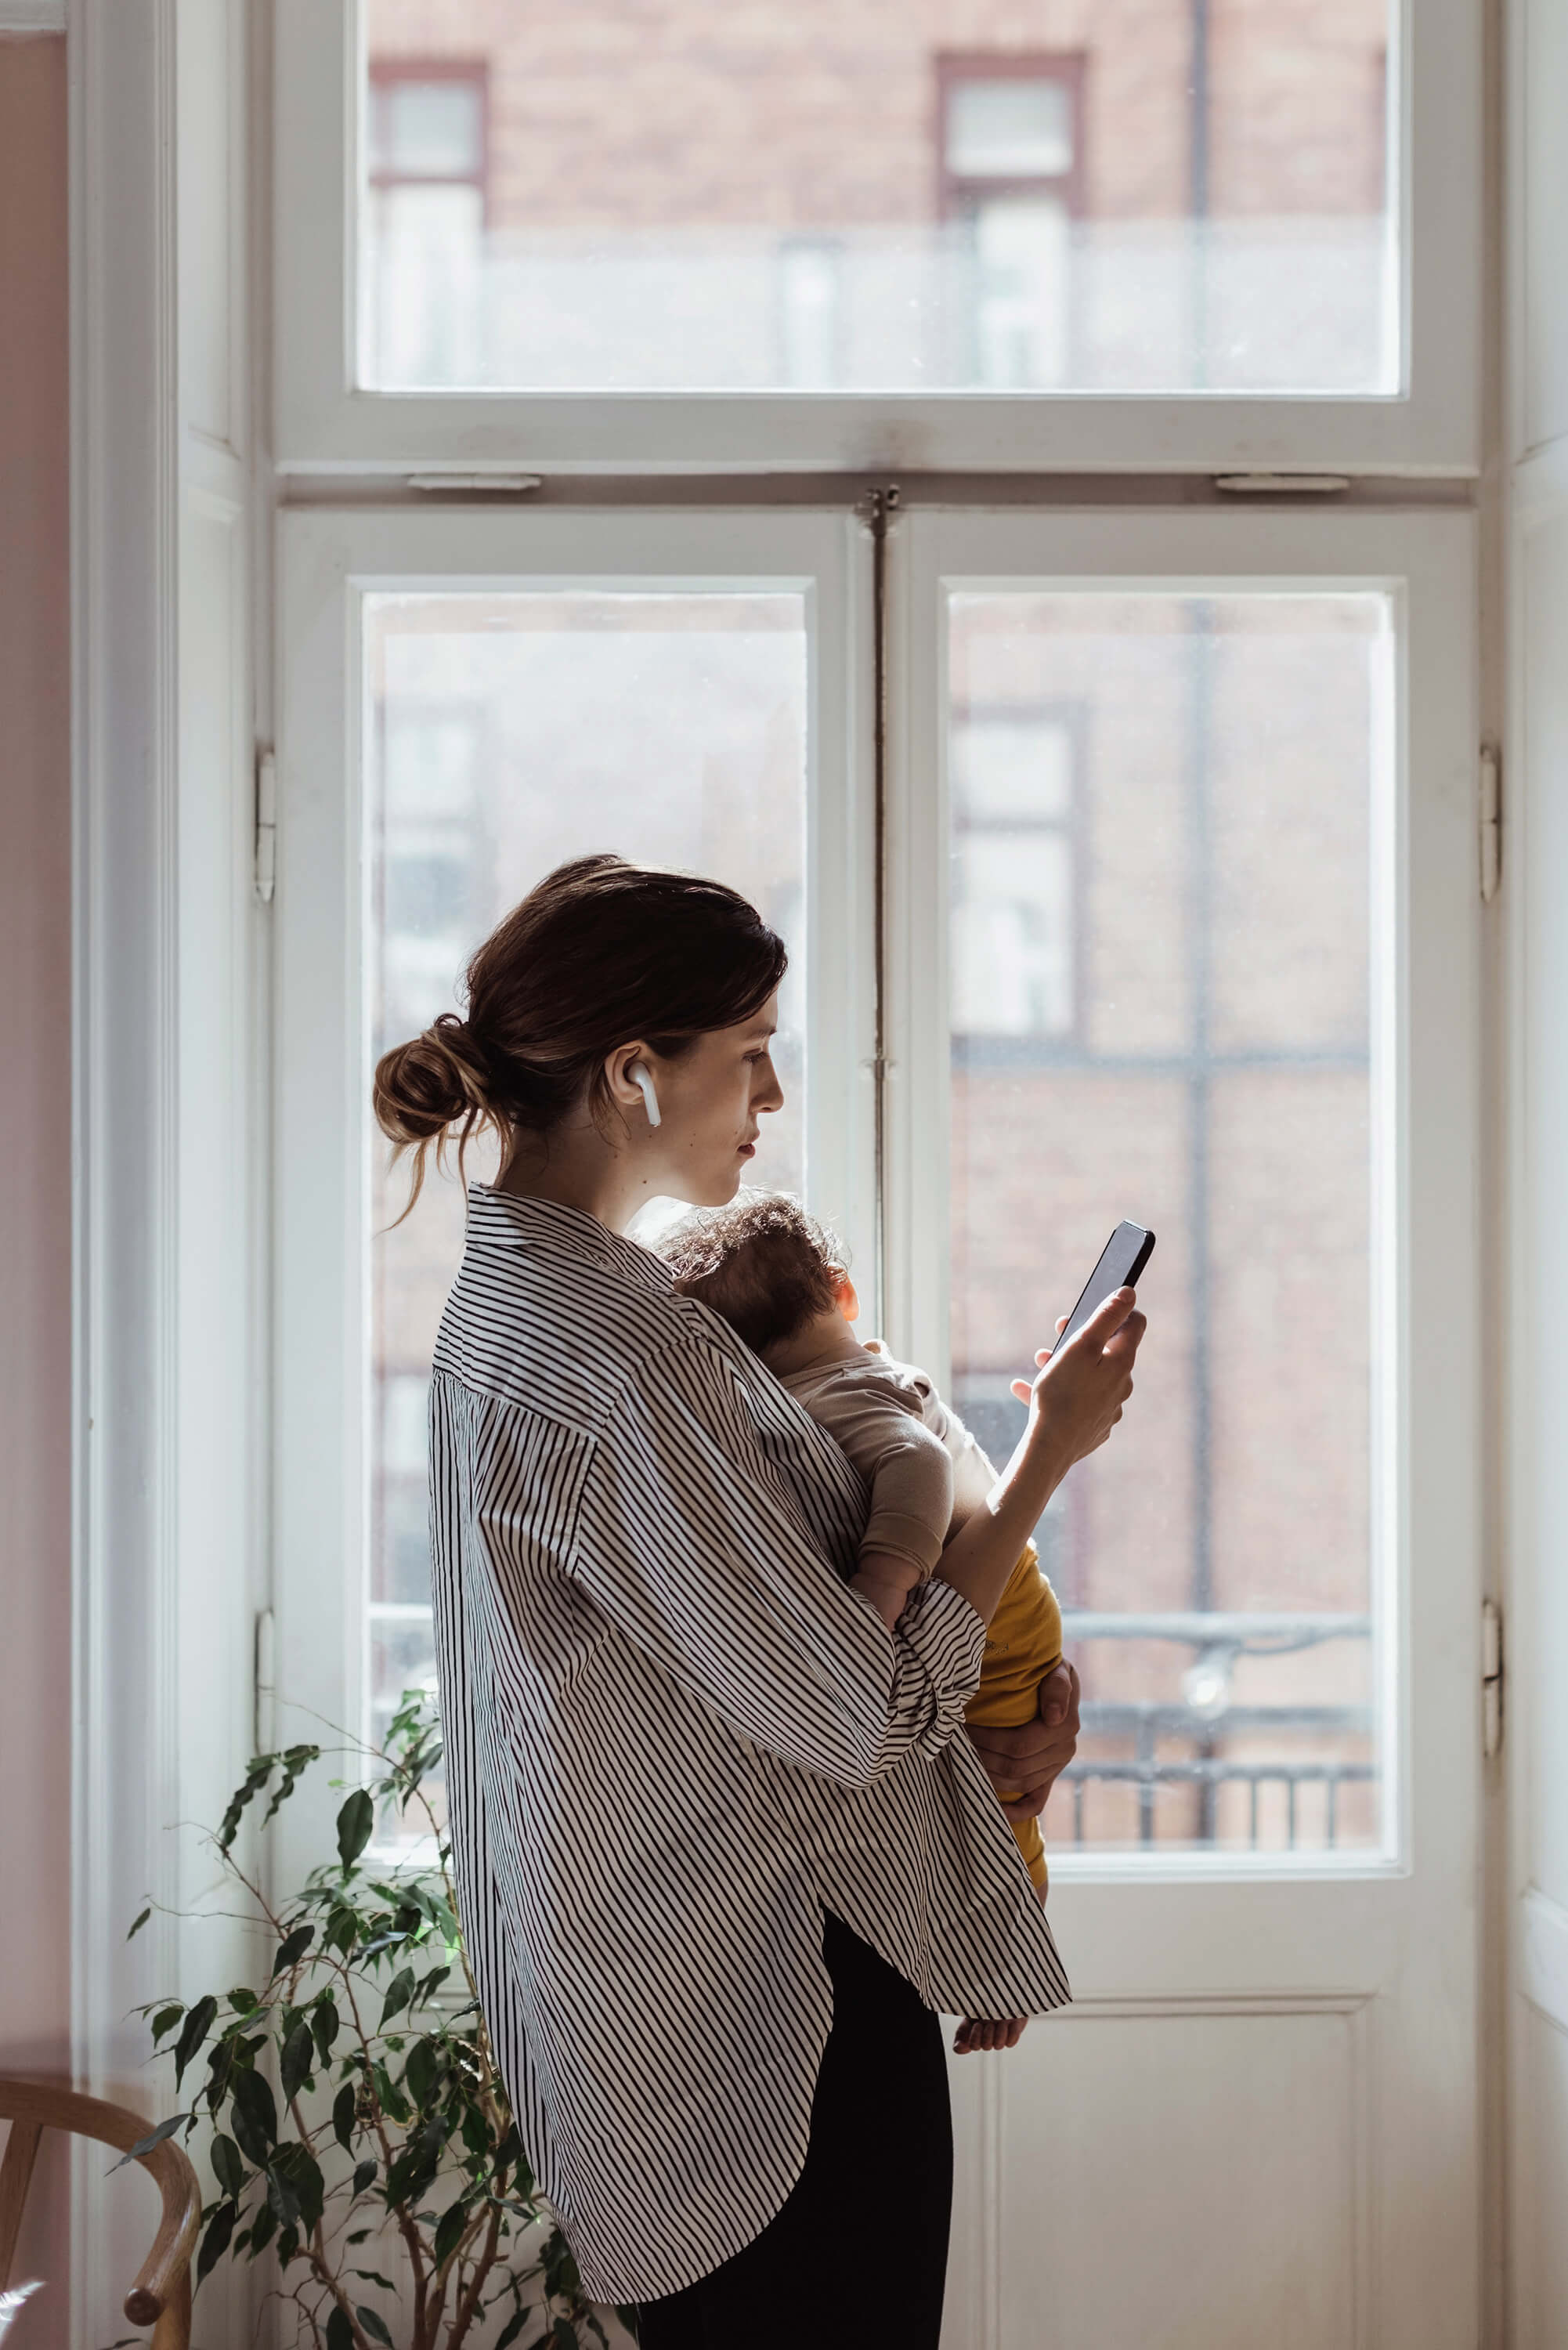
948	1636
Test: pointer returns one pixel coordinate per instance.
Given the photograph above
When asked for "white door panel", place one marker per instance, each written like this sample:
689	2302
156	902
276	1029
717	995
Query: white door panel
1259	2122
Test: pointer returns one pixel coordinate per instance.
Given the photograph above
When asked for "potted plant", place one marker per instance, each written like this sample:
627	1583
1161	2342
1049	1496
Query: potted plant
350	2106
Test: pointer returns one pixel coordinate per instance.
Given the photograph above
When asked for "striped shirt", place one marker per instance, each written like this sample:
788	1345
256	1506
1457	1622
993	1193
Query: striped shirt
674	1738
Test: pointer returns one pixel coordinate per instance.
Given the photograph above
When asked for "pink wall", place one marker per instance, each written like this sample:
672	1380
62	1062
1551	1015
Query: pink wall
35	1090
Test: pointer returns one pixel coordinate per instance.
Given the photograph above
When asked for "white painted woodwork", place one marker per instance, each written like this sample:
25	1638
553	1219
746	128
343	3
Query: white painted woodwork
326	425
1531	909
1247	2021
166	1547
1229	2204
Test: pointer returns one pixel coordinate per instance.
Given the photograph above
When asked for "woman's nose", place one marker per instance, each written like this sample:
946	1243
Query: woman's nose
770	1092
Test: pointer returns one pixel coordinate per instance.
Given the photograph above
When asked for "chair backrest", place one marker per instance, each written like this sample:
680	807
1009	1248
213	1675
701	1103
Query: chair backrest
161	2293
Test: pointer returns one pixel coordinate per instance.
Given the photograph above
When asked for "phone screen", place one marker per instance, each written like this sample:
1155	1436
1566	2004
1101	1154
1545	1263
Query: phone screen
1122	1260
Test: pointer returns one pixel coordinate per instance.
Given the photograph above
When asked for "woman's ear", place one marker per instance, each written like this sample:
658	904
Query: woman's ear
845	1298
630	1082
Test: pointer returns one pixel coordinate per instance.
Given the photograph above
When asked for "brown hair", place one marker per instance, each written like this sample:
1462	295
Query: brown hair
599	952
761	1263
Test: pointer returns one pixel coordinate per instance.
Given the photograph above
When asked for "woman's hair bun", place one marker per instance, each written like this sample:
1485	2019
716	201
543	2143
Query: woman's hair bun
430	1083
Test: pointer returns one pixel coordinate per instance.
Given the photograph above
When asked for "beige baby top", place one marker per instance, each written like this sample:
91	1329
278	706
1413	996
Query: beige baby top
927	1474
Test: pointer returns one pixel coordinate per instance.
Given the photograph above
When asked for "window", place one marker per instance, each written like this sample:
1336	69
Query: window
1185	241
1011	150
1216	1085
424	222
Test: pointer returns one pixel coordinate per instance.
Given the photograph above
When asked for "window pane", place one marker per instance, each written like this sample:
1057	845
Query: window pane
507	732
1020	128
1145	196
1175	1026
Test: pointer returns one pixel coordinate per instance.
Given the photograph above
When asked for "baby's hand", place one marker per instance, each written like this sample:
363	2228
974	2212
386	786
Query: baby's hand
886	1580
979	2032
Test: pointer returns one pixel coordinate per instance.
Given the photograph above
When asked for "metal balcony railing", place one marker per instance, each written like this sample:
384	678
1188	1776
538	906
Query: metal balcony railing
1218	1638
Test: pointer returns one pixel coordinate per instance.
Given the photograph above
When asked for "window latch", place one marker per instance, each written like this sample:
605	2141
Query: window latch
1489	815
1492	1679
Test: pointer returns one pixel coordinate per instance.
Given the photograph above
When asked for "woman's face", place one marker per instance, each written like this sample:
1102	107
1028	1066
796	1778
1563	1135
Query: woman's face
710	1102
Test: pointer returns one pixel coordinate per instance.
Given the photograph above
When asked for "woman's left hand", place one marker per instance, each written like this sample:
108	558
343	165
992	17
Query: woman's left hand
1026	1763
995	2032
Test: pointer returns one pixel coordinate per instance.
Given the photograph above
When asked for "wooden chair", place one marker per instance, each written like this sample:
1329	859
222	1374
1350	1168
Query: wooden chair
162	2293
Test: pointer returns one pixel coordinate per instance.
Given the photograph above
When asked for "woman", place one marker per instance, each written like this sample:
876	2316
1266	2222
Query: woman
721	1852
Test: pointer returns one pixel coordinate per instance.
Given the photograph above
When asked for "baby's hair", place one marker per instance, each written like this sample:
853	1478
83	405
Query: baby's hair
761	1263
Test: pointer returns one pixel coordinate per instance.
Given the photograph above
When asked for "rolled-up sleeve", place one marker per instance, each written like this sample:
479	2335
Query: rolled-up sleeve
688	1537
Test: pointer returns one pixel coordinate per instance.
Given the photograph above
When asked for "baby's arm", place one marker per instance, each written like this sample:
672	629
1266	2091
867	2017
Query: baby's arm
911	1481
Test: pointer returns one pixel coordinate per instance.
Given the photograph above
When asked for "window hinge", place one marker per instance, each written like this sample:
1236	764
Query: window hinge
1490	812
1492	1679
264	865
1281	485
264	1728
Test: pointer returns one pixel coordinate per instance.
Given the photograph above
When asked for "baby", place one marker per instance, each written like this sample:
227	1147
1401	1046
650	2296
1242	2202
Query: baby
774	1274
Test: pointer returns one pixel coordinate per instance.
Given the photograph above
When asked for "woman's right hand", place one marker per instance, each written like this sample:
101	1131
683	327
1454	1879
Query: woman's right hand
1077	1396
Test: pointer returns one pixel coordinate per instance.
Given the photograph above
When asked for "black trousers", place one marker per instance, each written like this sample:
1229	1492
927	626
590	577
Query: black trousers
856	2256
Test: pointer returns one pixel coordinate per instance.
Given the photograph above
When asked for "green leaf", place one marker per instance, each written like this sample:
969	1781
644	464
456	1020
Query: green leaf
560	2276
449	2230
421	2074
399	1991
192	2032
374	2276
166	2018
344	2106
220	2067
364	2176
511	2329
287	2245
280	2194
373	2324
324	2024
292	1948
264	2227
565	2334
227	2167
255	2116
215	2243
340	2329
243	2000
139	1923
342	1931
145	2145
298	2051
298	2165
294	1760
387	2097
356	1821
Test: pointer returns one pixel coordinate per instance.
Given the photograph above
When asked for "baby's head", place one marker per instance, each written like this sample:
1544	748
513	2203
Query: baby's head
763	1264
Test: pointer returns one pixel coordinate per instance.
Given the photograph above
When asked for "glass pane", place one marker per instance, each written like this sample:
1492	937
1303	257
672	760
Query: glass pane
507	732
1148	196
1019	129
1163	980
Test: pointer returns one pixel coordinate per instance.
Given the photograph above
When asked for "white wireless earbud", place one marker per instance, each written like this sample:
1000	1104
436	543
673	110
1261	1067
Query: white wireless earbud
644	1085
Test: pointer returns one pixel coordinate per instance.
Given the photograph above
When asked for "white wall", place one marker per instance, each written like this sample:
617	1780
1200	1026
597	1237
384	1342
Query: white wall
35	1101
1536	886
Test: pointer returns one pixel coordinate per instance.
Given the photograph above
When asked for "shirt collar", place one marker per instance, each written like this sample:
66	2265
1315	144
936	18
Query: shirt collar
554	1229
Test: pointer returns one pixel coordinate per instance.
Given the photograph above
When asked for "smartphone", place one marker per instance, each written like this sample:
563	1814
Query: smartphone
1122	1260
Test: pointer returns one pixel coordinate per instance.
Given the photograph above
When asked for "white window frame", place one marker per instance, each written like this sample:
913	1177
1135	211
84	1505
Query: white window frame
1427	1212
329	562
326	423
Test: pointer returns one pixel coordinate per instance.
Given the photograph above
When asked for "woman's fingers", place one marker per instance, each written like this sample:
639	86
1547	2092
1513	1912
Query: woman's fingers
988	2034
